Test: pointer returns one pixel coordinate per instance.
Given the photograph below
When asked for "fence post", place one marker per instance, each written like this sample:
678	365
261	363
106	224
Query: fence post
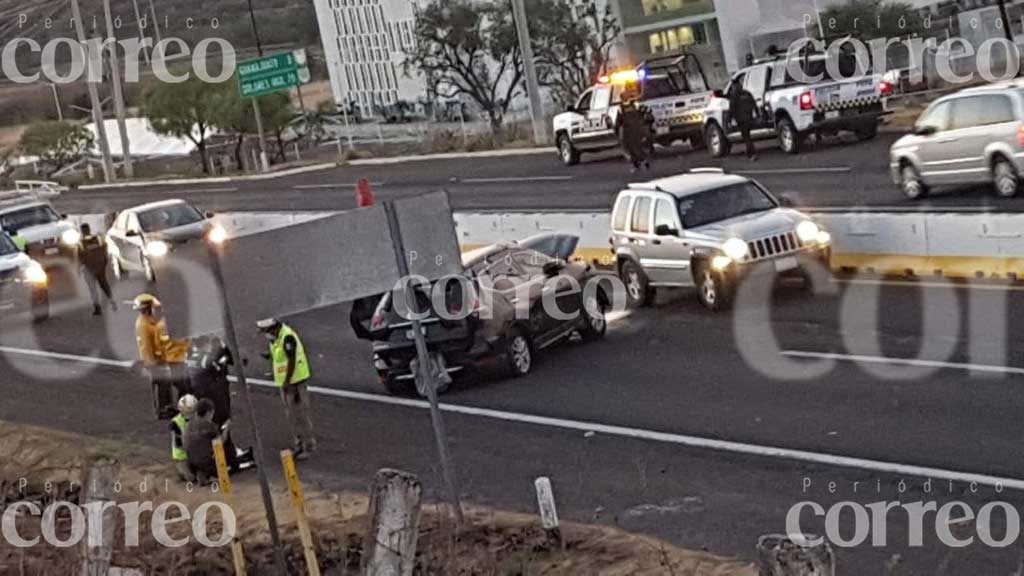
101	513
549	512
224	478
299	504
394	524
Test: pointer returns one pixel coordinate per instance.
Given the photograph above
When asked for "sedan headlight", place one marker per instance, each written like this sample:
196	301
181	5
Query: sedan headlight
217	234
157	249
71	237
35	274
824	237
807	231
735	248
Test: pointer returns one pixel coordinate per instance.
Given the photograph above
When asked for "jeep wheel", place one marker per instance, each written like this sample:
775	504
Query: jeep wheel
394	386
1007	182
910	182
638	290
696	142
147	270
712	289
789	137
567	152
596	324
717	141
40	305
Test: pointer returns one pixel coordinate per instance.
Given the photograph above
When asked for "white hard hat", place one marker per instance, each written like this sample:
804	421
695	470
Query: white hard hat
268	324
187	404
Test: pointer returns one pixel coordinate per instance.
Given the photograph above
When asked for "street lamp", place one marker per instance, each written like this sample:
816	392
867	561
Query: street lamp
216	240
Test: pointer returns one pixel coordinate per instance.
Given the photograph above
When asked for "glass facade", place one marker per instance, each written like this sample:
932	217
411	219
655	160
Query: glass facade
677	37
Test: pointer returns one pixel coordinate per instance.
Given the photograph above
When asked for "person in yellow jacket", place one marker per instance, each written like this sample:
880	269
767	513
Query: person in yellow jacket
291	375
162	357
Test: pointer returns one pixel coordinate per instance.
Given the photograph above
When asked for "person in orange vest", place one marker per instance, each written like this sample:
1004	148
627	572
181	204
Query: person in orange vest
162	357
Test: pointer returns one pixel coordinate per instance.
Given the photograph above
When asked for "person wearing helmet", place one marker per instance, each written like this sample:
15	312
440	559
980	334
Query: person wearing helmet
179	425
291	373
162	358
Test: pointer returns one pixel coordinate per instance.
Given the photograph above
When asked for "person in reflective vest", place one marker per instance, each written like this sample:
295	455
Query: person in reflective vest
291	375
186	409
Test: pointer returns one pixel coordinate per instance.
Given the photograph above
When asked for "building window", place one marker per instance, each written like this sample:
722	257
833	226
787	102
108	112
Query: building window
673	39
661	6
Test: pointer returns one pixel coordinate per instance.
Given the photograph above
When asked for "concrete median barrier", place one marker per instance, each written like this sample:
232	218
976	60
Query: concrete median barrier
952	245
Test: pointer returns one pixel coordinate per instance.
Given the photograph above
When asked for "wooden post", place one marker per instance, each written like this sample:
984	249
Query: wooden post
99	531
779	555
548	512
394	524
299	504
224	478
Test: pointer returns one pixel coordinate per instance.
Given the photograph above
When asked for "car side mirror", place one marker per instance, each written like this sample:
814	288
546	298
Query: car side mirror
553	268
63	216
718	94
209	214
131	233
926	130
665	230
570	108
786	201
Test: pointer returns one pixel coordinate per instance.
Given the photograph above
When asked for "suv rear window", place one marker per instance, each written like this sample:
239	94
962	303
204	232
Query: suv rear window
982	111
642	216
621	212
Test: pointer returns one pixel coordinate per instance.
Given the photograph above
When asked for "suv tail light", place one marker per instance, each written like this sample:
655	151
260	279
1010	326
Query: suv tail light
885	88
377	322
1020	135
807	101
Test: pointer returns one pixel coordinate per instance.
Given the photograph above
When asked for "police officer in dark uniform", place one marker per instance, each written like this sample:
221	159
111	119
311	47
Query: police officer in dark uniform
635	125
743	109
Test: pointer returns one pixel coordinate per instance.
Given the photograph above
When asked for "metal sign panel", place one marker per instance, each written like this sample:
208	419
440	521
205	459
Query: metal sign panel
289	270
428	234
273	73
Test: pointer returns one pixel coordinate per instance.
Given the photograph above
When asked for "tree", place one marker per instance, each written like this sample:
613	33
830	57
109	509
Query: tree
184	110
870	19
232	114
56	144
571	45
469	48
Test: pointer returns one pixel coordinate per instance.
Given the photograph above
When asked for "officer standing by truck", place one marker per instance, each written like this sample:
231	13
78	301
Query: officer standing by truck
743	108
635	127
291	374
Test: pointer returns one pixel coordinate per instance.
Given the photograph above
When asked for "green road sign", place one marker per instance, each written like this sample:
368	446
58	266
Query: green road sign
273	73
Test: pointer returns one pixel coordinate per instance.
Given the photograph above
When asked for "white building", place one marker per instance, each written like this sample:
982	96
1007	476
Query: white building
364	44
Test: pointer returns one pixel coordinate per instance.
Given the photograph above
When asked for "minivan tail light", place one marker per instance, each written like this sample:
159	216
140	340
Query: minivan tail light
1020	135
807	101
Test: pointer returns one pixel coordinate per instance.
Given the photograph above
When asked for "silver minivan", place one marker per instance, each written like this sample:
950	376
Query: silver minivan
973	136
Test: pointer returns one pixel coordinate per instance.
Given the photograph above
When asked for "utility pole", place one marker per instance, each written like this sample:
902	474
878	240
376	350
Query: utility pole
540	133
156	23
94	96
264	161
1006	20
115	76
817	14
142	29
56	100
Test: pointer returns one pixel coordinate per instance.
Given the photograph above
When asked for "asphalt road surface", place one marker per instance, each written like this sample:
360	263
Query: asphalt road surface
924	376
833	173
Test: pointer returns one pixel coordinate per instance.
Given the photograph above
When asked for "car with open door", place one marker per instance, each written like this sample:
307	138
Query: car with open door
512	302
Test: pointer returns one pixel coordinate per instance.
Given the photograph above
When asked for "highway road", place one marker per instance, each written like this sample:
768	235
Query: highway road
670	426
833	173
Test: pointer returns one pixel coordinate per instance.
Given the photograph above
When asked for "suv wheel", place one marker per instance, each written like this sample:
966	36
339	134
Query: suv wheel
567	152
115	265
1007	181
147	270
712	290
911	184
789	136
518	353
717	141
40	305
638	290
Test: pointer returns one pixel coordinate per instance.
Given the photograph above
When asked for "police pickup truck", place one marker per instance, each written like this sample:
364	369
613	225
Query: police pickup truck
673	88
789	109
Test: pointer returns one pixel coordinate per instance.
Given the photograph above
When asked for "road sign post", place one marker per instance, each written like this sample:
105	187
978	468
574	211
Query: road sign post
267	75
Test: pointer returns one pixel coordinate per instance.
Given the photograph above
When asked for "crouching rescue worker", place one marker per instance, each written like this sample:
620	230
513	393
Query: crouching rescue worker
199	437
209	361
162	357
291	373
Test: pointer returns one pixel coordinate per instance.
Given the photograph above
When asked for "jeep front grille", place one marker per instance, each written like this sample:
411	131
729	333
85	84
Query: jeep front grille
772	246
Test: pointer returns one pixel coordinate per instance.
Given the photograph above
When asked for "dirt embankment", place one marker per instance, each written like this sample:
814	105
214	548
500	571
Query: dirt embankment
494	543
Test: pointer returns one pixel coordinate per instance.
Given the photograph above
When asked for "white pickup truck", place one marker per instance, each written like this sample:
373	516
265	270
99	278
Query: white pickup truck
790	110
673	88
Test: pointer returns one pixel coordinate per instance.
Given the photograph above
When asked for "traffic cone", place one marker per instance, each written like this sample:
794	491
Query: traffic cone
364	193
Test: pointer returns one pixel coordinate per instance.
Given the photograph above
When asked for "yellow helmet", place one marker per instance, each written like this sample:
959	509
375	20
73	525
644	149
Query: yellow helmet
145	301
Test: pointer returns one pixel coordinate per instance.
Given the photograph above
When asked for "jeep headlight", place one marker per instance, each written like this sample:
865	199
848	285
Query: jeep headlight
736	249
157	249
824	238
35	274
71	237
807	231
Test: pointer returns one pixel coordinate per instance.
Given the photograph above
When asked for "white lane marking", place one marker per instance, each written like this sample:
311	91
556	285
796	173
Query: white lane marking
823	170
617	316
904	362
68	357
590	428
209	190
933	284
334	185
512	179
